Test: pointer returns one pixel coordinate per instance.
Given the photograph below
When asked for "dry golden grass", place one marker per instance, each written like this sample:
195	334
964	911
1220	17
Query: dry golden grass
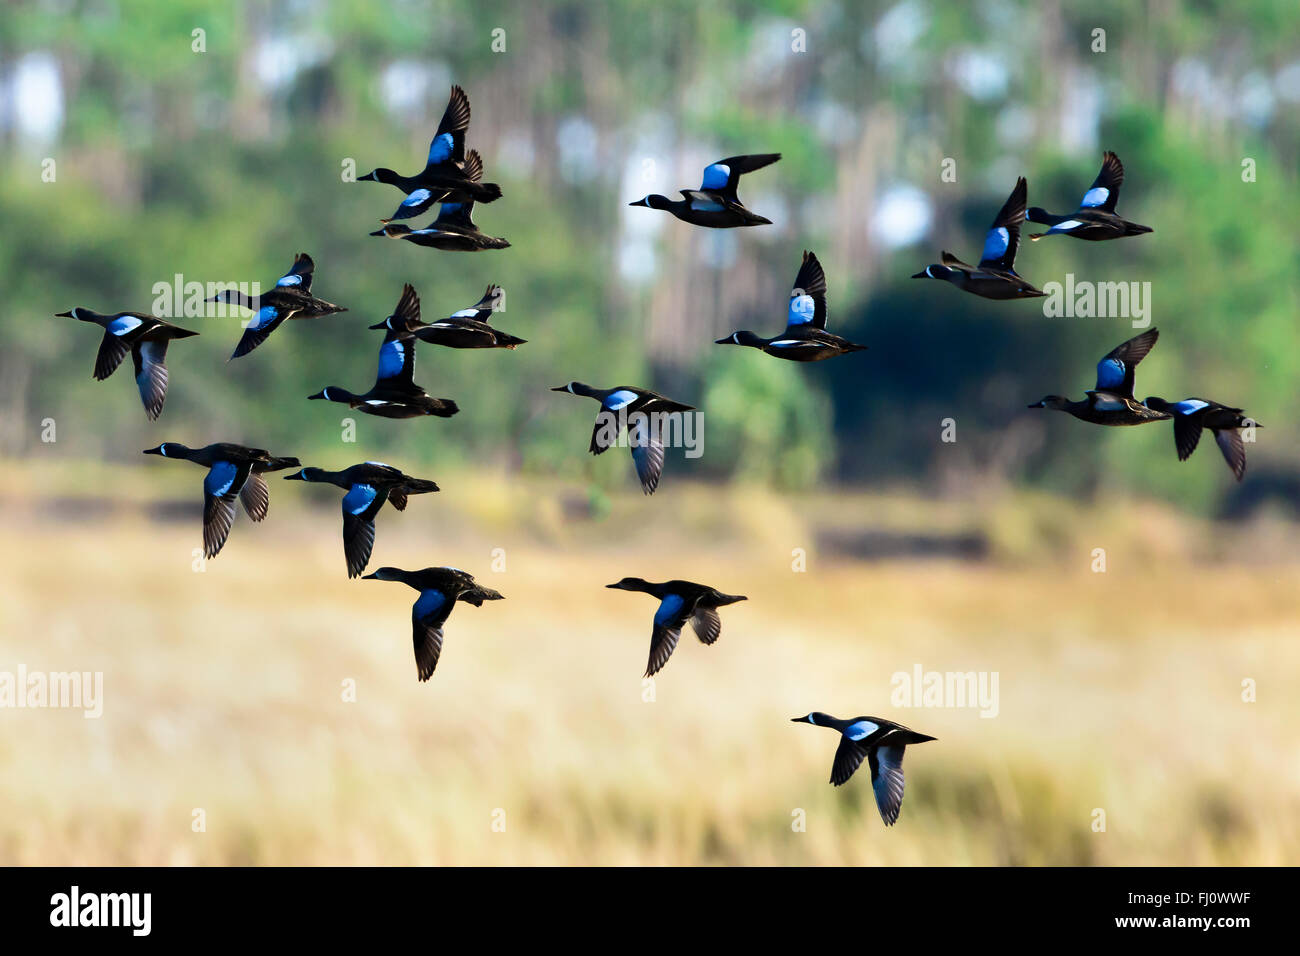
223	689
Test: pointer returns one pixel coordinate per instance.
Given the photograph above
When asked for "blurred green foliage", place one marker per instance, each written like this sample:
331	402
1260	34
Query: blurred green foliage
205	165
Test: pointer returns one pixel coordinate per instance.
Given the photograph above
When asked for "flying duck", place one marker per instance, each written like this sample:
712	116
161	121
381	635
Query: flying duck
229	468
444	175
617	406
715	203
995	277
882	742
1095	219
1112	402
290	299
453	231
394	394
1192	414
679	602
146	338
805	338
466	329
368	486
440	589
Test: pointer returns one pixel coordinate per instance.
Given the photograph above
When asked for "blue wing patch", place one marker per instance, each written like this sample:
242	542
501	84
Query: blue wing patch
860	730
1094	197
1188	406
620	399
392	358
220	477
265	314
124	324
716	176
440	149
802	309
669	608
359	498
417	197
995	245
1110	372
290	279
429	603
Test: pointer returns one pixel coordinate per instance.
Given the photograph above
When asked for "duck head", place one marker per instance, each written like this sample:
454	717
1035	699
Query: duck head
630	584
742	337
815	718
82	315
1156	404
381	175
1051	401
306	474
576	388
393	230
653	201
385	574
941	272
332	393
169	449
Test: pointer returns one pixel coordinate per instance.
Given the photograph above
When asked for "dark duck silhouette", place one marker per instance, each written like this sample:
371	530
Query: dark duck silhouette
715	204
444	176
633	410
146	337
291	298
454	230
368	486
1095	220
466	329
1112	401
679	602
882	743
995	277
805	338
1191	415
230	468
394	394
440	589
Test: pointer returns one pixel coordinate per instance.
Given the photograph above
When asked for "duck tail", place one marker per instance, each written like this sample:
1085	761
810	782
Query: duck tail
484	192
1133	229
442	407
724	599
508	341
418	486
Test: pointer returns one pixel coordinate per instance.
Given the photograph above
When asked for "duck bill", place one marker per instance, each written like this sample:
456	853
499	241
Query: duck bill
154	451
381	325
921	275
560	388
63	315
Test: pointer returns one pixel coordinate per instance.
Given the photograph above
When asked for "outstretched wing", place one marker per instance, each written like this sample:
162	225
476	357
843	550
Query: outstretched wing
428	615
360	505
255	496
1003	237
887	780
448	145
151	375
808	296
111	352
396	359
1115	372
221	487
723	176
1104	191
706	624
848	757
647	455
1234	450
299	276
267	320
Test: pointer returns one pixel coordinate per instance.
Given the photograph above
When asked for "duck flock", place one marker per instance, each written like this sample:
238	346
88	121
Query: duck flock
452	180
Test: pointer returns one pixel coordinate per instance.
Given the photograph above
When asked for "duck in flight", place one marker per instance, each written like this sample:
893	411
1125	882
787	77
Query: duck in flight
995	277
805	338
679	602
1191	415
290	299
454	230
394	394
466	329
618	406
1095	220
1112	402
146	337
230	467
882	742
444	175
440	589
368	486
715	204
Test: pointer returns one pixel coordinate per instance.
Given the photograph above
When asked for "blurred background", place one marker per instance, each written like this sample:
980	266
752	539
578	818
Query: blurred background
171	140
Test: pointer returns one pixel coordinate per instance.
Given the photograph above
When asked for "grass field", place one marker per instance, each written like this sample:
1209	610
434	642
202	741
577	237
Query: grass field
223	690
